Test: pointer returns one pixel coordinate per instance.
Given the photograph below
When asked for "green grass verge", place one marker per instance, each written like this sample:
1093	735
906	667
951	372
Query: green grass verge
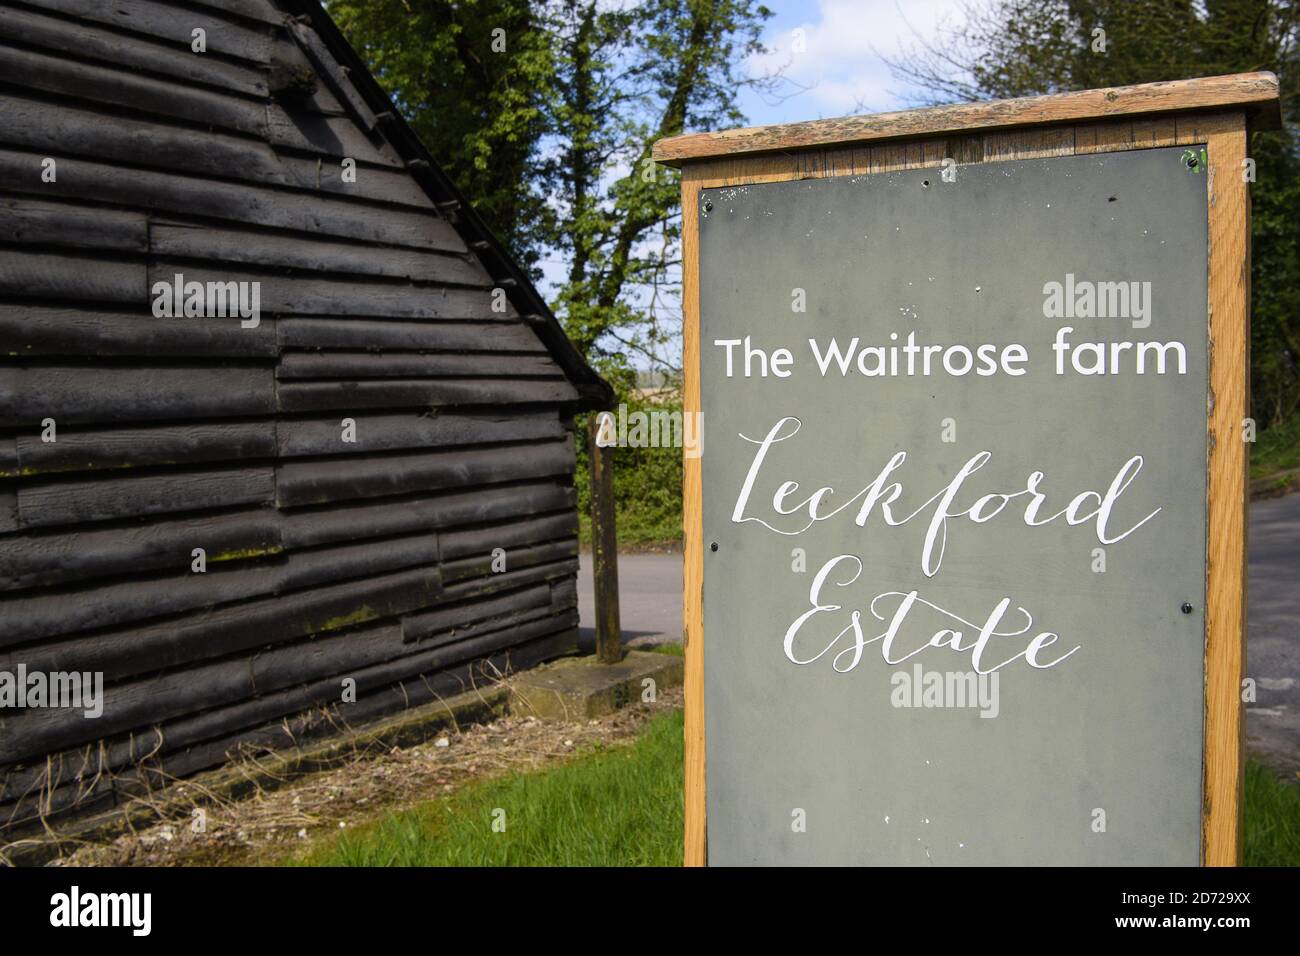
1276	449
1272	818
672	650
622	806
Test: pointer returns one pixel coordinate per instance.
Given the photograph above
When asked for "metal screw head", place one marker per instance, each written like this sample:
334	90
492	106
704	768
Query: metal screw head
708	205
713	546
1187	608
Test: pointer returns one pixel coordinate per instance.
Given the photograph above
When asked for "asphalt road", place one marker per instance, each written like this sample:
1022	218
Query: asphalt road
1273	634
650	599
650	588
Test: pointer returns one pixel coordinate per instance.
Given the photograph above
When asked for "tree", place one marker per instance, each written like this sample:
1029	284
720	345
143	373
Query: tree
550	139
476	97
628	77
1026	47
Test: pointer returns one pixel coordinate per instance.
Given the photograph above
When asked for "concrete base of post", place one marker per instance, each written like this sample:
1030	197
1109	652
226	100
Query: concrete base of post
579	688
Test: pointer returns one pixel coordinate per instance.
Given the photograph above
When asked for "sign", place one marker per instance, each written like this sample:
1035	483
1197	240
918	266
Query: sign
954	504
974	493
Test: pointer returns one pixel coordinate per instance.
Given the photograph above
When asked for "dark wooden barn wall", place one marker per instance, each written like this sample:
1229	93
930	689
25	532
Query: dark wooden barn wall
325	559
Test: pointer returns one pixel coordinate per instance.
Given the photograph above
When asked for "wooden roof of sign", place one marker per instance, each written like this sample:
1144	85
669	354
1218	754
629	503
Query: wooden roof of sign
1256	94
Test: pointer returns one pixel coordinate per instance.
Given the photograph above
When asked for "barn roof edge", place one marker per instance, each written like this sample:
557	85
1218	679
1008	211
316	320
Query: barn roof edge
593	391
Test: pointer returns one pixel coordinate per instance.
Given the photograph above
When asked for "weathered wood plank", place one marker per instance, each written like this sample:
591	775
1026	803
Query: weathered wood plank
262	10
431	336
1103	137
170	23
489	583
87	82
331	73
31	330
352	365
188	444
564	593
199	241
76	130
480	565
335	137
400	393
184	642
384	659
693	179
198	196
315	482
68	502
72	555
80	131
1251	92
183	746
73	226
76	394
891	157
1153	133
388	183
39	616
1029	144
85	763
391	432
303	529
136	53
308	294
540	619
604	546
64	276
1227	495
509	537
417	627
171	695
8	512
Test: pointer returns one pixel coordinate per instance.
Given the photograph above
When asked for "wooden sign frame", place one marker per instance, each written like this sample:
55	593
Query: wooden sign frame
1217	112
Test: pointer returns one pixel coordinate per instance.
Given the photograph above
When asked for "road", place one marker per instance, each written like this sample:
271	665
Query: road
650	586
1273	634
650	599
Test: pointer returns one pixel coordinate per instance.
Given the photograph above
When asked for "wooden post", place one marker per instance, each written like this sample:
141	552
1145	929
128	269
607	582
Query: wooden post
604	549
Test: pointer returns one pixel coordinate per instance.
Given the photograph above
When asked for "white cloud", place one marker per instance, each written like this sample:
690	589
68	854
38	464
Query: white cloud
843	66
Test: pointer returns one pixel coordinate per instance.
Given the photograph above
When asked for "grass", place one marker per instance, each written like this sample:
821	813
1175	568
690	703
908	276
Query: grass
619	806
1276	449
672	650
622	806
1272	818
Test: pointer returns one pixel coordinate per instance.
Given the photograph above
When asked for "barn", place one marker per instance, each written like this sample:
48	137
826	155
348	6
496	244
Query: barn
286	439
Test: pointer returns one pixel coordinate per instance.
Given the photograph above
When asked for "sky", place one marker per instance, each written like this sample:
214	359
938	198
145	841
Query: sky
842	69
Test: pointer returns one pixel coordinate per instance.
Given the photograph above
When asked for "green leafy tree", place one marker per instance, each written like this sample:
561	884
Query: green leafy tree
473	79
1026	47
629	76
550	137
